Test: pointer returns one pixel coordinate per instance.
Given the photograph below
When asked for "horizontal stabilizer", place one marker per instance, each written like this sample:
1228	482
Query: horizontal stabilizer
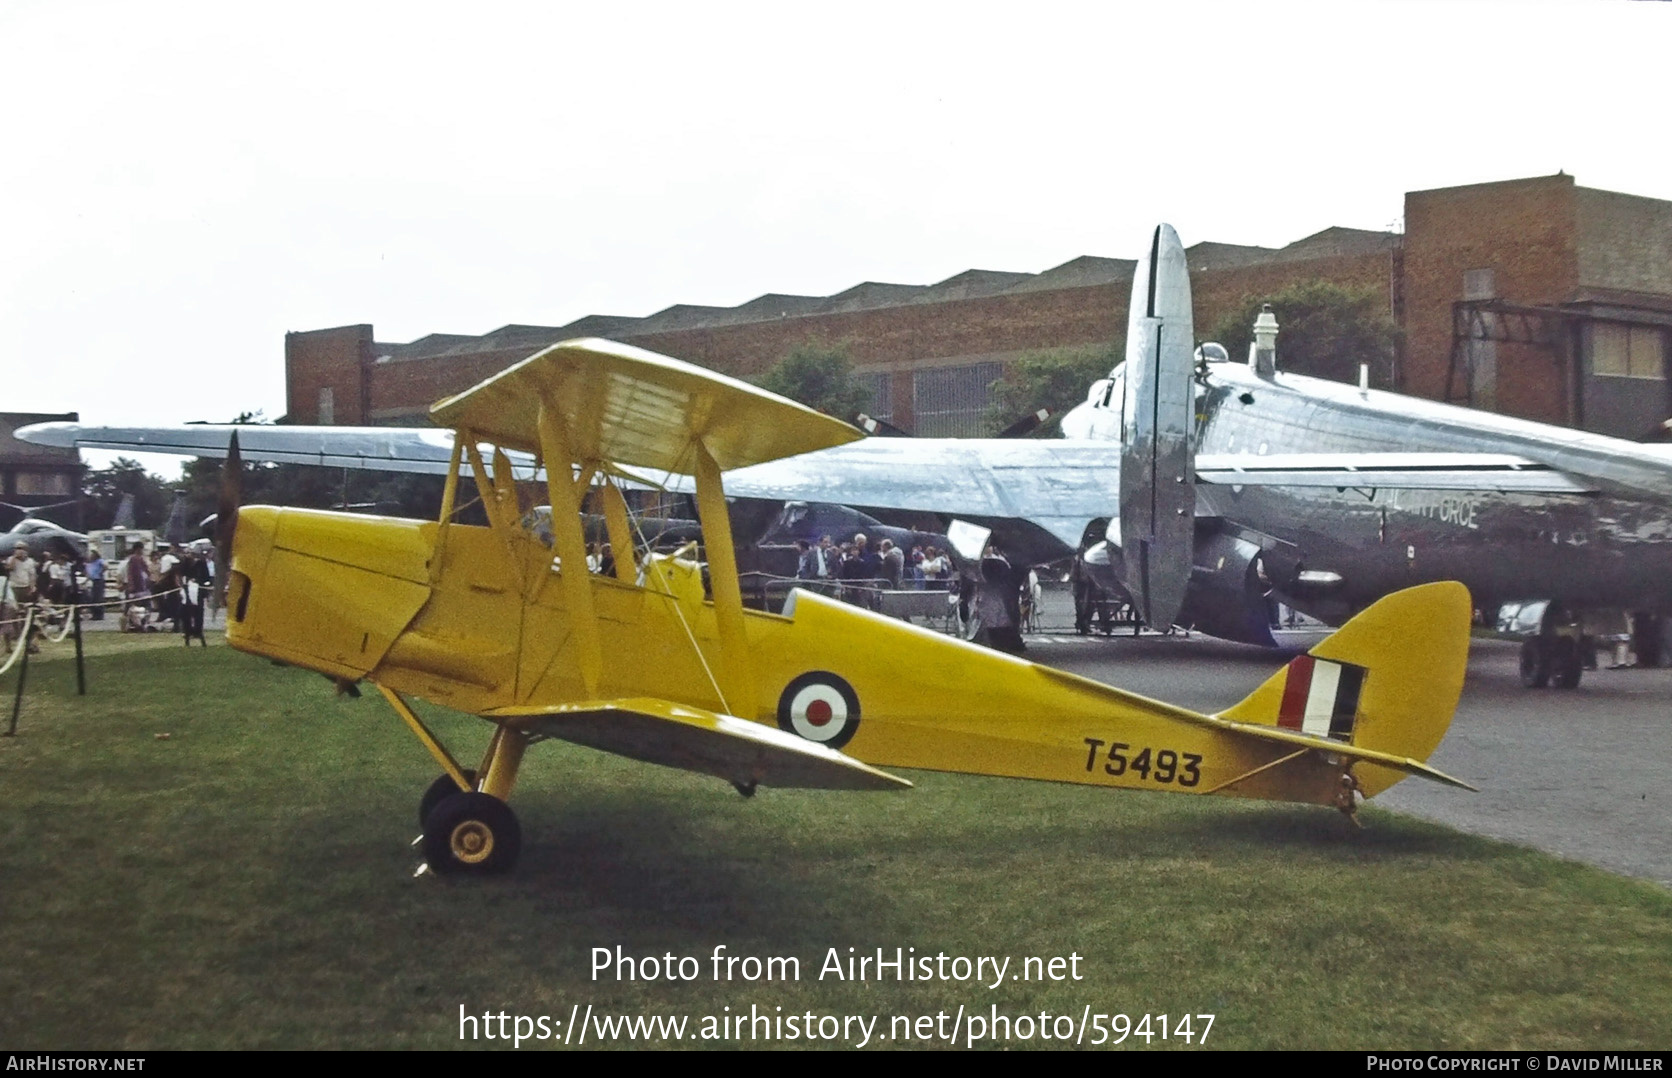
1393	471
691	739
1339	748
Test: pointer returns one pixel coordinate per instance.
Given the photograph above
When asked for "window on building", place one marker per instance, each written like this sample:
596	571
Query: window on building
327	406
1480	284
36	482
1622	351
949	402
881	385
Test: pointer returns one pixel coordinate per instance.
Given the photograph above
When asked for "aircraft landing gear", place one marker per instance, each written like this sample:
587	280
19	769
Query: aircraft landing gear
1557	661
472	834
1535	664
1567	663
1559	652
440	790
471	831
1646	636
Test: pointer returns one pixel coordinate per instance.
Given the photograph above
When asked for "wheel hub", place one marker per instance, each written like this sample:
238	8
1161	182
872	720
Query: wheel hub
471	842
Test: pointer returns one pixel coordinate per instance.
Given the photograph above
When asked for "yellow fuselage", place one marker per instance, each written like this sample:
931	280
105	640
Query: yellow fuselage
475	619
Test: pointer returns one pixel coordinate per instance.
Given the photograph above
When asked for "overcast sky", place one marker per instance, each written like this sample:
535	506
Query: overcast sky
181	183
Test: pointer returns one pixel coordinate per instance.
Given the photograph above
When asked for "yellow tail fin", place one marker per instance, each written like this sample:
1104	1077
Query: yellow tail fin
1387	681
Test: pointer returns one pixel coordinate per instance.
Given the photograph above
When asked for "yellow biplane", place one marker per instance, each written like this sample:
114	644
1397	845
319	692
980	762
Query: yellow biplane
508	623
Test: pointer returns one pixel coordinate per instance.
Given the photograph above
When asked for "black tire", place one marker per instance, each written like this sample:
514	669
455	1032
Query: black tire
1567	665
1535	664
472	834
440	790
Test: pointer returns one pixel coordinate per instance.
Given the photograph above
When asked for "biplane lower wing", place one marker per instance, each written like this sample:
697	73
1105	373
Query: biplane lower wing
743	753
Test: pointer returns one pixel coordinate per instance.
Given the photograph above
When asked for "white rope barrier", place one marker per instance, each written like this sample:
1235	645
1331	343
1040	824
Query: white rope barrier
42	612
22	642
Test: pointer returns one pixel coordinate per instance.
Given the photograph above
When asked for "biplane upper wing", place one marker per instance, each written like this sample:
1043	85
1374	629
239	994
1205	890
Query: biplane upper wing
692	739
627	406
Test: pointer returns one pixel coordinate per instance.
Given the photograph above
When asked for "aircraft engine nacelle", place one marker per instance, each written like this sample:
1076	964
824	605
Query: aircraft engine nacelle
1157	521
1230	590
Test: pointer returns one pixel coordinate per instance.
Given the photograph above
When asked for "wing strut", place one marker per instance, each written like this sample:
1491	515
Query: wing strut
728	593
571	545
430	741
620	528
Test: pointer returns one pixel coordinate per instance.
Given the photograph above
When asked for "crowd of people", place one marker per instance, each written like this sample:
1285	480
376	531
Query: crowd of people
991	601
856	572
170	584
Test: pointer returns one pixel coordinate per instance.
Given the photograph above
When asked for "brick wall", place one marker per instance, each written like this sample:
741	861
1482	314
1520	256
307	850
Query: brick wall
1542	239
898	339
328	358
1524	231
1625	242
402	390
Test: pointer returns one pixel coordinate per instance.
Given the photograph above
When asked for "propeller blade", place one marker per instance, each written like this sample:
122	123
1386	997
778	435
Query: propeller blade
226	516
880	428
1026	425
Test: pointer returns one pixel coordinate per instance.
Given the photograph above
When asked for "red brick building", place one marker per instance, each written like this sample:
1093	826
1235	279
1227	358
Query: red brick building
1534	297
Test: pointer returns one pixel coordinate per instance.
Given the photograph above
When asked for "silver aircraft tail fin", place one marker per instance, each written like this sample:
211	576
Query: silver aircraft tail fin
1157	481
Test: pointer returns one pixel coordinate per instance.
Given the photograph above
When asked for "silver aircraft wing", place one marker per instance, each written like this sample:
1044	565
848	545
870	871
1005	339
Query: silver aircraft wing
385	449
1057	484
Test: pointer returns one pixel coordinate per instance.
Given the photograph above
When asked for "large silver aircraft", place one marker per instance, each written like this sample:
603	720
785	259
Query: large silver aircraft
1205	489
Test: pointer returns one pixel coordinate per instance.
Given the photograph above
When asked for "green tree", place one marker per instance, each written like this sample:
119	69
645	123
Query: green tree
1056	379
312	486
1324	330
105	487
819	375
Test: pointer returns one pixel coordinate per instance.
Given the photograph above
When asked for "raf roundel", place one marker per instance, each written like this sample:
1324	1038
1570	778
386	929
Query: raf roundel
821	707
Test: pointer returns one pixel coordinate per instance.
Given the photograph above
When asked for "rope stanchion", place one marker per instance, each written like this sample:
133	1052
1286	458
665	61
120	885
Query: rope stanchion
22	673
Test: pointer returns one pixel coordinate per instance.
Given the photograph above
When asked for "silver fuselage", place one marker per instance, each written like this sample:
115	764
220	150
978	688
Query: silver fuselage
1611	548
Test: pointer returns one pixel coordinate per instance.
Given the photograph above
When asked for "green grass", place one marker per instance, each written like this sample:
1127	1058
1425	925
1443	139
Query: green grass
247	882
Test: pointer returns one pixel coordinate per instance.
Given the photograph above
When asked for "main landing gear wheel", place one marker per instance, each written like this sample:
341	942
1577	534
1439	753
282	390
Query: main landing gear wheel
1567	663
472	834
1535	665
440	790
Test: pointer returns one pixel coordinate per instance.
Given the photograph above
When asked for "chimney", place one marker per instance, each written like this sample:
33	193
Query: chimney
1264	348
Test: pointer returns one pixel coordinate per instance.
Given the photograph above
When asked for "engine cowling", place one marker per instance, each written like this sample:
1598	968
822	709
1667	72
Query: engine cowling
1230	592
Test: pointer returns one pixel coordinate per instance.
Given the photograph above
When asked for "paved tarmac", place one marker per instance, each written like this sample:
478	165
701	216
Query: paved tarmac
1575	773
